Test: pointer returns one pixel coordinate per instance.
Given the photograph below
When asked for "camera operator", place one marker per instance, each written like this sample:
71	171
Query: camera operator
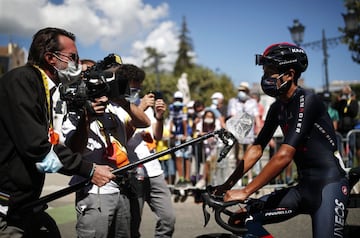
99	132
151	185
26	134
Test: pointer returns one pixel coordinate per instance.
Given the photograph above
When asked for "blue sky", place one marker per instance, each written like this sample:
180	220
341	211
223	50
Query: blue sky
226	34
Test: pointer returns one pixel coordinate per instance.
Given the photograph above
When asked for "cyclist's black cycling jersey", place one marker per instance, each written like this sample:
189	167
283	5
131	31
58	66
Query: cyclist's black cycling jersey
322	190
306	126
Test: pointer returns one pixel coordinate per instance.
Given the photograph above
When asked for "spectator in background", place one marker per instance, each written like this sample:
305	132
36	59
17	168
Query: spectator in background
167	162
333	113
217	104
179	133
199	110
348	109
152	187
243	103
208	123
191	117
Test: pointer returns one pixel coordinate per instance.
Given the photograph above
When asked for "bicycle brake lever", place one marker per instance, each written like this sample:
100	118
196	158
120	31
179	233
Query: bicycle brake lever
206	214
229	140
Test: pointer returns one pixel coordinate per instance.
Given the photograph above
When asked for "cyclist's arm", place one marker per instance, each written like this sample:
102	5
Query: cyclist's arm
276	164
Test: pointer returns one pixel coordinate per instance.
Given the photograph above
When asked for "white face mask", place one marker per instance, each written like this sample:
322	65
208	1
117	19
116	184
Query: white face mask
200	114
70	74
215	101
208	120
242	96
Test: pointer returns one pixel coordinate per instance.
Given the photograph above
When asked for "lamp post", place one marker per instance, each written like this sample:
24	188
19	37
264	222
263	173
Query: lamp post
297	34
352	29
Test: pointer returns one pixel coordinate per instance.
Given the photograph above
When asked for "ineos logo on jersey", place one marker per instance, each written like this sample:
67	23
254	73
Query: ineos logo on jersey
339	218
301	114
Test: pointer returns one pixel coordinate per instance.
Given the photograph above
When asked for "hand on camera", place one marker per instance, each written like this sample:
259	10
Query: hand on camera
99	105
147	101
102	175
160	108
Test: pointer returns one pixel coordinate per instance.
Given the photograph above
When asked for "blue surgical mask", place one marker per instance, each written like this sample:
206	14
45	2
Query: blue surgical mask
134	96
215	101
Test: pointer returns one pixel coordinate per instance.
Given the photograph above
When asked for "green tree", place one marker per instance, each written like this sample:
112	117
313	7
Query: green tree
352	29
183	61
155	60
203	82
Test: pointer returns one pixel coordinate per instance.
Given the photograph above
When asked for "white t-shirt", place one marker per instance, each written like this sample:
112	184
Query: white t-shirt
93	144
236	107
138	148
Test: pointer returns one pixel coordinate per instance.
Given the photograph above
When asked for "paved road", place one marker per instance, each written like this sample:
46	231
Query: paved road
189	216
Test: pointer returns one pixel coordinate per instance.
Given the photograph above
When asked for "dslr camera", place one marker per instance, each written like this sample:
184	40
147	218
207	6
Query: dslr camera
99	80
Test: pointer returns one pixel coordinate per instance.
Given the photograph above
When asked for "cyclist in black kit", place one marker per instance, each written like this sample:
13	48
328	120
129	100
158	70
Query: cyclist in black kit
309	138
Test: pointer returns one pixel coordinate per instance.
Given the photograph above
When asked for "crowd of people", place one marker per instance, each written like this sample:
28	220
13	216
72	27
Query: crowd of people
111	130
342	107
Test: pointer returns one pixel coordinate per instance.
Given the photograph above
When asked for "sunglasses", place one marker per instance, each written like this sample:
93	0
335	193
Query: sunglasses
71	56
263	60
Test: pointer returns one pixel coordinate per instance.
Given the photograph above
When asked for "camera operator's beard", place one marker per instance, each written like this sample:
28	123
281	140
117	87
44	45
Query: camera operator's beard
70	74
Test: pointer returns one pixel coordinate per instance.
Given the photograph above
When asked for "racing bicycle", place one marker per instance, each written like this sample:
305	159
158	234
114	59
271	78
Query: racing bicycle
232	216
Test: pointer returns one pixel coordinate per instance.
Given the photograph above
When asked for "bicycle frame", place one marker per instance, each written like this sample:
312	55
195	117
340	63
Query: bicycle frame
250	223
243	223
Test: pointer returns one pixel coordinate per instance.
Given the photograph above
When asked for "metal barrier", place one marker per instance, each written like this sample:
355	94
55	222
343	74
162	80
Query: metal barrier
349	148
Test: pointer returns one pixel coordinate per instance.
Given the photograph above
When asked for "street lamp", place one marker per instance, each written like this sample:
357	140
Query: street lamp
297	35
352	29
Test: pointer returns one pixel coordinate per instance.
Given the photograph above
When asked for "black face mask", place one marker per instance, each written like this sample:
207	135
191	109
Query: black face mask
269	86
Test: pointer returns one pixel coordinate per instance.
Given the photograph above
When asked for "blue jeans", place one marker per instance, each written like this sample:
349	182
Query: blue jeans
168	166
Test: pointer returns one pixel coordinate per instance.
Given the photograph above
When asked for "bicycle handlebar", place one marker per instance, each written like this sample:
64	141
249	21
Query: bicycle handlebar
220	207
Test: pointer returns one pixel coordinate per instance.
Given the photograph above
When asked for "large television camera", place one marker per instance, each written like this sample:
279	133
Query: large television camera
99	80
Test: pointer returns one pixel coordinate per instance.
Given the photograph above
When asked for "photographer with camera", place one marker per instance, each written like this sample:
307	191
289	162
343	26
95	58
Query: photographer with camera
102	123
149	180
26	137
348	109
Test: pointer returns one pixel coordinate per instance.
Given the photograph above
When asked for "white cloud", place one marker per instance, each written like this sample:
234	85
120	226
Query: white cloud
111	24
164	39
